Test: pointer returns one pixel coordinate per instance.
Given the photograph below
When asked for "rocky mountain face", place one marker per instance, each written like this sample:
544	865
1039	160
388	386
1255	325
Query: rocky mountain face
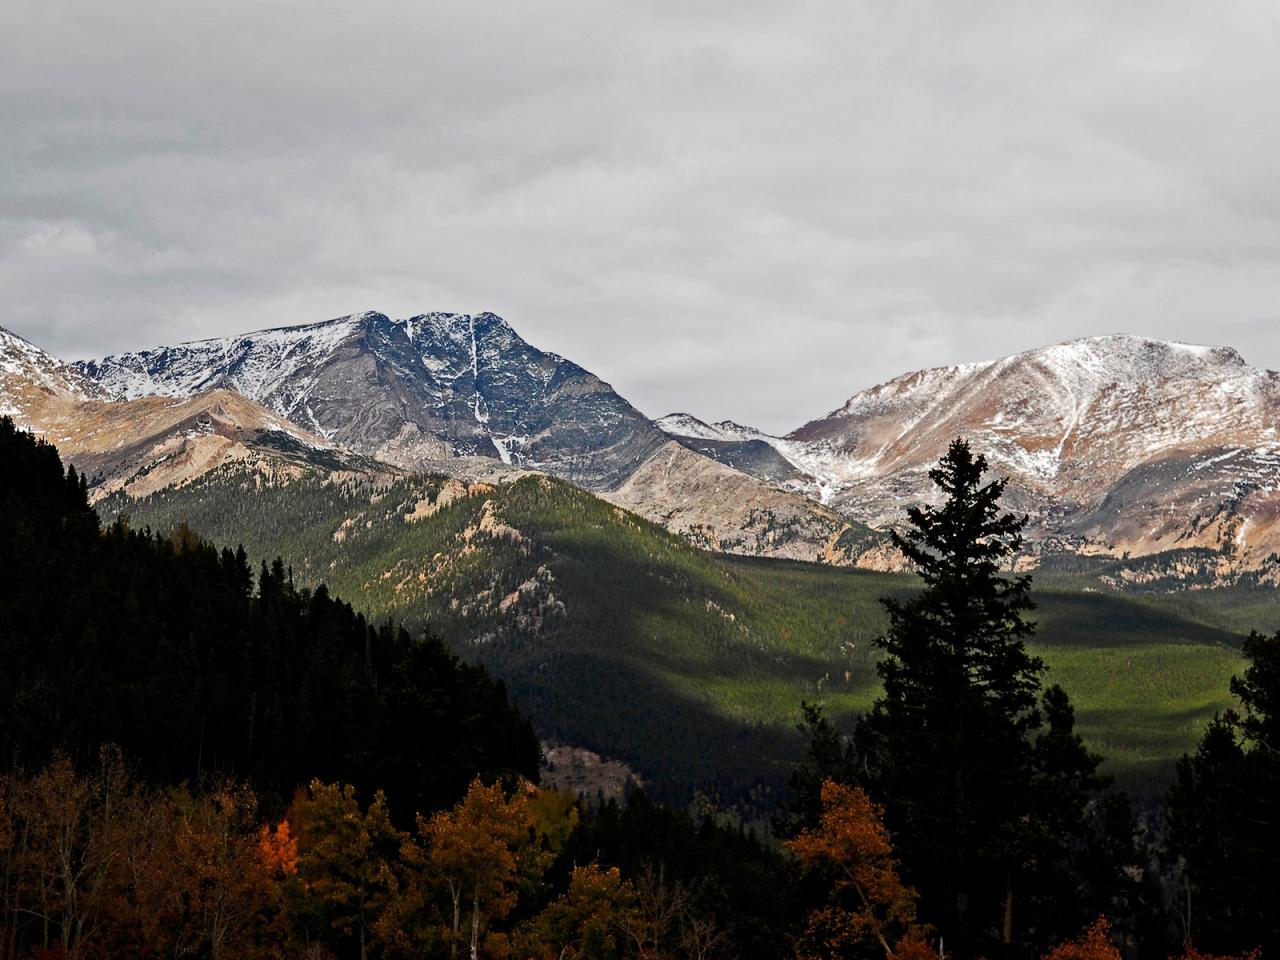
721	508
31	379
150	443
1112	444
1115	446
411	392
443	392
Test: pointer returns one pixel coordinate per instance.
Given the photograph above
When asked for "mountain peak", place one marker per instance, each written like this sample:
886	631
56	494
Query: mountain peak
411	391
1078	367
1090	432
13	346
1127	356
687	425
25	368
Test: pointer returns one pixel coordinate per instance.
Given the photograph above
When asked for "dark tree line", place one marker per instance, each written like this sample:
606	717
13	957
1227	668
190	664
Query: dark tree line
177	653
1224	817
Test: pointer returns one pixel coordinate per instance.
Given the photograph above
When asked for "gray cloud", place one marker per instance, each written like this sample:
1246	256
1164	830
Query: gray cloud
743	210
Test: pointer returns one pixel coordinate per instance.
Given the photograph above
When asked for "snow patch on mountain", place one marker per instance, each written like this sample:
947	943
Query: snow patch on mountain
22	360
411	391
1065	423
684	425
256	365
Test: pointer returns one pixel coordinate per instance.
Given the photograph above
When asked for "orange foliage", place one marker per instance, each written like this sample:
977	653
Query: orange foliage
869	902
96	864
591	919
1191	953
474	851
1094	944
228	891
914	947
279	849
346	856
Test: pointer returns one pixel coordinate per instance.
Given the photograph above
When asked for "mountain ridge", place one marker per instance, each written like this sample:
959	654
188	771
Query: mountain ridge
1097	436
1115	445
141	445
425	392
421	388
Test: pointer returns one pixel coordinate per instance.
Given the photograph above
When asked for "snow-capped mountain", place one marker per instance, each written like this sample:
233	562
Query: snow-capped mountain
1112	443
412	391
29	377
686	425
423	392
743	448
144	444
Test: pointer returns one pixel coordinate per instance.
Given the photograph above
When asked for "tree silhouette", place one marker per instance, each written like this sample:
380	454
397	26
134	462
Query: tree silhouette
948	747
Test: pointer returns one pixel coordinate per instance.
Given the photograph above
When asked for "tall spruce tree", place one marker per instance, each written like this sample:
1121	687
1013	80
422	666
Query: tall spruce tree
1224	817
948	747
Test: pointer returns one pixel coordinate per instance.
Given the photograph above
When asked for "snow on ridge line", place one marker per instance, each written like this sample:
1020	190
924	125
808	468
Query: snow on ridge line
1012	406
290	331
319	335
281	366
253	364
1118	358
687	425
19	357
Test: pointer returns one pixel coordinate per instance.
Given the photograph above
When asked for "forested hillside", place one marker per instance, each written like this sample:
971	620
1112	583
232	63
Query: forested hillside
176	652
616	635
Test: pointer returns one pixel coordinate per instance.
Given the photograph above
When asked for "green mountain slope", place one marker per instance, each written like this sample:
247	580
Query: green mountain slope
618	636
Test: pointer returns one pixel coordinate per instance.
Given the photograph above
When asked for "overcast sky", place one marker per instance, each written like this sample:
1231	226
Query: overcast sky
738	209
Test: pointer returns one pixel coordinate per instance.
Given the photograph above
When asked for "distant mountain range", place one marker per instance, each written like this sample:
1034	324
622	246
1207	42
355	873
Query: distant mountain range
1114	445
389	461
437	390
410	392
150	443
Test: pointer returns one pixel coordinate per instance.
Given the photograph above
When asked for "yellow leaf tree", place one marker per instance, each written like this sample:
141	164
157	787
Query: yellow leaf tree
473	851
590	919
868	904
1095	943
346	858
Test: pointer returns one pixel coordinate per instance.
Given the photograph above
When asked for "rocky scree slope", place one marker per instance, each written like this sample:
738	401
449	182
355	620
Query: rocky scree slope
718	507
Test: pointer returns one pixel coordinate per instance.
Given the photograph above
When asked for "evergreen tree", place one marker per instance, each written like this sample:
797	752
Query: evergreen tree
948	748
1079	856
162	646
1224	817
830	756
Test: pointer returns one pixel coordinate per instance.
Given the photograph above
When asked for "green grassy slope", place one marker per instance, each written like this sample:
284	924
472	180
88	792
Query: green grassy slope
618	636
